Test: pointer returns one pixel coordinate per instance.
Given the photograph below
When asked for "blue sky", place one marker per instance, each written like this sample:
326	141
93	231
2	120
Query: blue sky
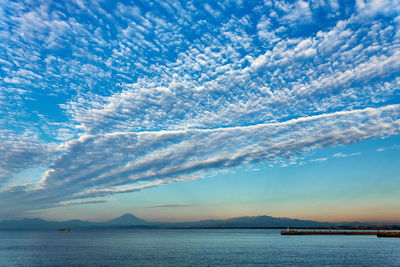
184	110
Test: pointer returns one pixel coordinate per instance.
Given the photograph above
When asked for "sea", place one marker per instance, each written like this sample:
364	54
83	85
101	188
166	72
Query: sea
192	247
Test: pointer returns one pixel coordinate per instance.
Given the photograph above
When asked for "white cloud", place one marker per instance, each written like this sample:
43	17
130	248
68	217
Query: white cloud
298	13
344	155
393	147
318	160
369	8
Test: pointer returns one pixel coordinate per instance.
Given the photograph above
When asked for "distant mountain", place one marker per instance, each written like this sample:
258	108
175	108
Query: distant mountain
131	221
258	221
126	219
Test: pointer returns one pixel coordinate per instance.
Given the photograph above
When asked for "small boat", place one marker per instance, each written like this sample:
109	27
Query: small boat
66	230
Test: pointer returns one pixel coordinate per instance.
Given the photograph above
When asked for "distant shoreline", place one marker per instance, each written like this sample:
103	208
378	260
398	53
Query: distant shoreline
129	221
144	227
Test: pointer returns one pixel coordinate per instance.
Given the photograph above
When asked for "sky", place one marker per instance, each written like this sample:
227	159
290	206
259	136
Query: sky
189	110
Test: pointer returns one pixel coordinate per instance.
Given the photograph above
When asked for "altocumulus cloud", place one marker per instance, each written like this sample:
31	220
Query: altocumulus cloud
116	97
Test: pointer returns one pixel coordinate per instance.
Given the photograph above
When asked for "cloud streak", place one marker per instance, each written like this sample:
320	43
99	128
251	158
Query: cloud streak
171	206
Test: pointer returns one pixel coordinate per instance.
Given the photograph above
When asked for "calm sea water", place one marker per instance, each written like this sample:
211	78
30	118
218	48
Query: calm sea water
193	248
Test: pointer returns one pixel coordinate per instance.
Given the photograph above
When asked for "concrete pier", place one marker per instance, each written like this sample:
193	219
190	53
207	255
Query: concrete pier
388	234
291	232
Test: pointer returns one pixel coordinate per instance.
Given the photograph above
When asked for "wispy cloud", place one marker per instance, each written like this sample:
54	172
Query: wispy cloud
345	155
318	160
171	206
85	202
392	147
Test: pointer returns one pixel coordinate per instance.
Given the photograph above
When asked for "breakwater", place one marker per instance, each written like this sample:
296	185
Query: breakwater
388	234
377	233
291	232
